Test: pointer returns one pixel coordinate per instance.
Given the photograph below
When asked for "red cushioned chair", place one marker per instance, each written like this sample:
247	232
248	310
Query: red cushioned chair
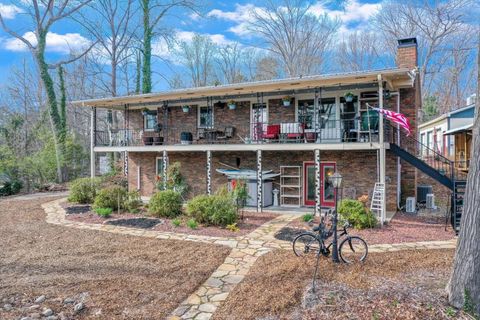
273	130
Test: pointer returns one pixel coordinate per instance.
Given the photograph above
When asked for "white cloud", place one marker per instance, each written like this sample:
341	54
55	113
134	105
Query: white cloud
354	13
9	11
58	43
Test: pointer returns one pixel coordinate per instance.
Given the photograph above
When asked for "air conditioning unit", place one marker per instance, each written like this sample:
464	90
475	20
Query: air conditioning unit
431	201
410	205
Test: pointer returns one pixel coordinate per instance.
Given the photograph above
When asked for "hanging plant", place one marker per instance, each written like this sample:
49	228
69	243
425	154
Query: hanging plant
145	112
186	108
286	101
232	105
349	96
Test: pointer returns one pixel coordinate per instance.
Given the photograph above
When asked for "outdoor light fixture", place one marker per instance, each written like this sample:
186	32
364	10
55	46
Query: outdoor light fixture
336	180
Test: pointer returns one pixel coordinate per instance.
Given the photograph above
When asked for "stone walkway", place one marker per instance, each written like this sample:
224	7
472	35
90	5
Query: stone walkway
245	251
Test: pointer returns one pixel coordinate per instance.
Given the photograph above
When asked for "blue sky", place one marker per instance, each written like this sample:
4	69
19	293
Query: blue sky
222	21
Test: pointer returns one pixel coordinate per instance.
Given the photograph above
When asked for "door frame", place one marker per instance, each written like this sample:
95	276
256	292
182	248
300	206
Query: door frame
306	164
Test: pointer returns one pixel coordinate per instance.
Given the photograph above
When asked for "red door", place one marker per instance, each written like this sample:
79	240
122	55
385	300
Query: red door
327	192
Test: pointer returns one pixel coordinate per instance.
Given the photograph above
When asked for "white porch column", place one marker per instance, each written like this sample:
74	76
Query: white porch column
164	171
317	182
259	182
209	172
93	124
382	148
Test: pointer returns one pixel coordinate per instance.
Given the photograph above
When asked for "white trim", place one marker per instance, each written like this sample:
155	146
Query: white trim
248	147
156	165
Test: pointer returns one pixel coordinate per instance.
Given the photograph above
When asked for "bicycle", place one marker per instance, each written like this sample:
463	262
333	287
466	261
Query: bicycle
351	248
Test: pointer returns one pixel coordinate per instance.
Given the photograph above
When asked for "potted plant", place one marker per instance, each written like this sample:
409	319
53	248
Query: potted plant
286	101
349	96
186	108
144	111
232	105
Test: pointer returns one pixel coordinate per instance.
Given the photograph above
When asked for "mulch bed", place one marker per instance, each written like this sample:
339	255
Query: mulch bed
402	228
250	221
395	285
116	276
142	223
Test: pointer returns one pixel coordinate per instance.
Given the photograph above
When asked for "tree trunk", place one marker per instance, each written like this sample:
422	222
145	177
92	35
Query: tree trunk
52	102
147	49
464	285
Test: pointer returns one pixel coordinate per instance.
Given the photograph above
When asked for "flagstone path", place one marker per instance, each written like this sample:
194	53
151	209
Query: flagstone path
245	251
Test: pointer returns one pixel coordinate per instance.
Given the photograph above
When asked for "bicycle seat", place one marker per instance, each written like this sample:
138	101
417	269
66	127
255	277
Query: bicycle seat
316	228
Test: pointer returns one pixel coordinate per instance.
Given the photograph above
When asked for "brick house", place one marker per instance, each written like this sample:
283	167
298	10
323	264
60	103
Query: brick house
246	128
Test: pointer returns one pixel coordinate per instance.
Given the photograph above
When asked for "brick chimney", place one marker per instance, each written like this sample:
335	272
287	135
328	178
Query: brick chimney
407	54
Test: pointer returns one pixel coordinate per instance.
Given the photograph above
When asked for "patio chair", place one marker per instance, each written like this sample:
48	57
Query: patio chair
293	130
273	132
200	133
227	134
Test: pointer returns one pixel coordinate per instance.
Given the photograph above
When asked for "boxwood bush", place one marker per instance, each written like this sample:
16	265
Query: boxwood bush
356	214
111	197
84	190
167	203
218	209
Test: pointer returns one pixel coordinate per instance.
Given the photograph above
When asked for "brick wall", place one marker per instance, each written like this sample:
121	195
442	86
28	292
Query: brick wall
407	56
358	168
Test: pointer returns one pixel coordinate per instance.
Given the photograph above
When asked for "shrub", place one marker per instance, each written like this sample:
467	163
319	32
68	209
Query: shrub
199	208
10	187
218	209
167	203
223	211
133	202
84	190
356	214
192	224
307	217
176	222
111	197
233	227
103	212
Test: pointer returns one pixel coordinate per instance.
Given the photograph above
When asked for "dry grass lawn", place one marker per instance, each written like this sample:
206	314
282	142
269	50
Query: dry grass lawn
117	276
397	285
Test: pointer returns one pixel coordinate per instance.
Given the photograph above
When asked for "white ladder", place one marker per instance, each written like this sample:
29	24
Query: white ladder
378	201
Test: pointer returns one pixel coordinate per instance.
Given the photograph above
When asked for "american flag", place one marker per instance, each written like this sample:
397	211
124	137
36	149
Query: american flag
397	118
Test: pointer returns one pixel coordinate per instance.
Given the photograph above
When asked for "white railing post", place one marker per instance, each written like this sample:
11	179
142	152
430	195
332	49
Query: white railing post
382	148
93	124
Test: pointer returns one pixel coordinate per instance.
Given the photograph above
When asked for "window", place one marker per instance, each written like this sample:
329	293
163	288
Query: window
150	121
205	117
327	111
423	143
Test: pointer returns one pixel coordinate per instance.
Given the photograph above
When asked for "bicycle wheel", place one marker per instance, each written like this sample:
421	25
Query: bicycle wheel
305	245
353	249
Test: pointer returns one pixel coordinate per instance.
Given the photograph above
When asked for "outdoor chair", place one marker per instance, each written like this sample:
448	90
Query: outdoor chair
200	133
293	131
227	134
273	132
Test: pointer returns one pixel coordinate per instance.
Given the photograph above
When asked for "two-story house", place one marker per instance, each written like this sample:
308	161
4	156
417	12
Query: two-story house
287	134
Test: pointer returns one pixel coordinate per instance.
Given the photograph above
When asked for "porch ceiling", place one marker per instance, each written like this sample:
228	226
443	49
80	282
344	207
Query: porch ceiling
395	78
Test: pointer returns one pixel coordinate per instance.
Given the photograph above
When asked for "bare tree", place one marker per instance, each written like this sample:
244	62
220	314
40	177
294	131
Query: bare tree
111	23
357	51
295	36
432	22
43	15
464	285
197	57
230	60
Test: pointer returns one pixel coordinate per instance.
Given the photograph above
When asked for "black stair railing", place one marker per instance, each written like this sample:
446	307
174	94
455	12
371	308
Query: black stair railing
431	157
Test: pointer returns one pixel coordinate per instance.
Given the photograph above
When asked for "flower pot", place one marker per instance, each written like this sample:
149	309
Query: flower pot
286	103
349	98
186	109
232	106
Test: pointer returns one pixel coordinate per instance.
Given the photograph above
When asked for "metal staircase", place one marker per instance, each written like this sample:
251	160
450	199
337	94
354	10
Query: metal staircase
433	164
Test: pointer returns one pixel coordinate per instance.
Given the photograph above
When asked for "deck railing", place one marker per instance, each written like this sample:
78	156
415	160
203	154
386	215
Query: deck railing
328	131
